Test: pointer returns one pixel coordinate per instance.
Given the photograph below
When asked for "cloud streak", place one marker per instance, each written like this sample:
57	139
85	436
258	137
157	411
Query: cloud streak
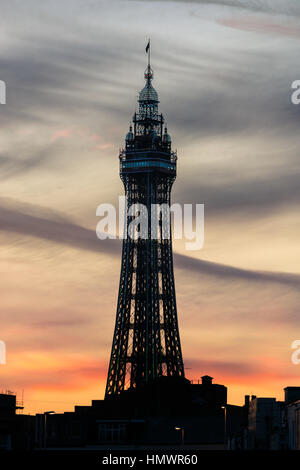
262	26
68	233
288	7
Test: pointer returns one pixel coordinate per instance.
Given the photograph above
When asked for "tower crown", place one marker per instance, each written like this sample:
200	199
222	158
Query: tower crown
147	144
148	95
148	122
147	132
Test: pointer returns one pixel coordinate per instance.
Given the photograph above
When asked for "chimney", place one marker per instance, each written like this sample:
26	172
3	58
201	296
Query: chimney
206	380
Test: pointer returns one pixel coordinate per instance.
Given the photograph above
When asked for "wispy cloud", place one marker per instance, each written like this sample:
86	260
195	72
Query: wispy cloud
63	231
289	7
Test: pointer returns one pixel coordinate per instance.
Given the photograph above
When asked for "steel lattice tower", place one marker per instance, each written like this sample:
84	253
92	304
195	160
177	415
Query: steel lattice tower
146	342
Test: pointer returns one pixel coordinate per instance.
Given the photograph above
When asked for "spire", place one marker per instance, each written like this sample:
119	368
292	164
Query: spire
148	121
148	93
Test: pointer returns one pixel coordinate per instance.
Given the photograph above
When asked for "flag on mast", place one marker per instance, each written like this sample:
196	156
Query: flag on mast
148	46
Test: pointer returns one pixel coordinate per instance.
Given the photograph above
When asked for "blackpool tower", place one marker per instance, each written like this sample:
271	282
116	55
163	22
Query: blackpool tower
146	342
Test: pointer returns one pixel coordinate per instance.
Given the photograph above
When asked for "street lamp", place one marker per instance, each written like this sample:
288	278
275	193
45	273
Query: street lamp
46	413
225	425
180	428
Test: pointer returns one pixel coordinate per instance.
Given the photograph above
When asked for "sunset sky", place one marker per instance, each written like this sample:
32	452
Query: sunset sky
223	71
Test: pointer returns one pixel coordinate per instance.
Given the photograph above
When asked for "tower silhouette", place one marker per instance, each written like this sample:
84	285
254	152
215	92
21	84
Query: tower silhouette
146	342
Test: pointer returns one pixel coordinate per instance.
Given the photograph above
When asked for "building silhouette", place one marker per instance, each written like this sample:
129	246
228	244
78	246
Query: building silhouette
17	431
269	424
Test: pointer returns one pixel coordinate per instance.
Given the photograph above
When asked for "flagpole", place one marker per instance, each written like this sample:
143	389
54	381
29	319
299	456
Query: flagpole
149	53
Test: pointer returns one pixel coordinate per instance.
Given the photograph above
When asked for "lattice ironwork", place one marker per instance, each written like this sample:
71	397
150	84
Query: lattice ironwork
146	342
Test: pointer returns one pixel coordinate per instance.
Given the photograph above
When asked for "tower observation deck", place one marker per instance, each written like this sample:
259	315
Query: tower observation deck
146	342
